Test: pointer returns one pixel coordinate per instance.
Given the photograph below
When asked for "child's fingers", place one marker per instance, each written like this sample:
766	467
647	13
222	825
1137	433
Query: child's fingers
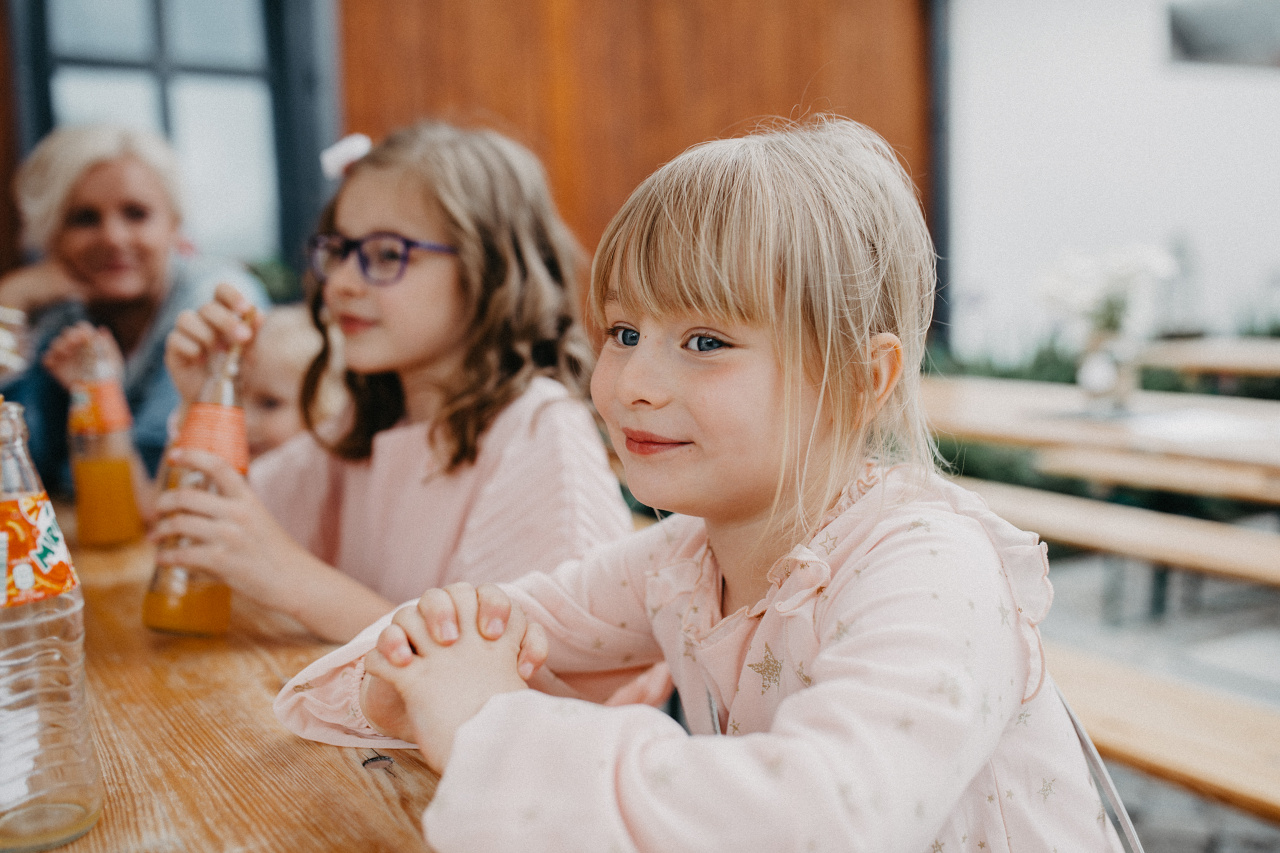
464	602
228	322
493	611
393	644
533	651
410	621
440	615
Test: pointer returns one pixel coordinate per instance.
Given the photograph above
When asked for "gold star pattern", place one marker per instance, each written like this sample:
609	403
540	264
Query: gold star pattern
769	669
905	723
1008	793
828	544
991	798
937	846
1046	790
841	629
1023	717
733	727
1004	614
804	679
597	644
622	625
918	524
303	687
982	845
688	647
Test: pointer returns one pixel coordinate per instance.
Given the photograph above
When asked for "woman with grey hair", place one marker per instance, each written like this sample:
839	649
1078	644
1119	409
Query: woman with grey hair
101	209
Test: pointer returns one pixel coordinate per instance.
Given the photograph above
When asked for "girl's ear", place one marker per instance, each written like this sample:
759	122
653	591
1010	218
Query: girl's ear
885	354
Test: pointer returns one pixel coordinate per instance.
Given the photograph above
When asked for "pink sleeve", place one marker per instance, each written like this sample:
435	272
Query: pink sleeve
549	496
590	626
299	483
322	702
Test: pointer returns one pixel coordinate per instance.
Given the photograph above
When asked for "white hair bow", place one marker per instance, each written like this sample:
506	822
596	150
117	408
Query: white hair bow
335	159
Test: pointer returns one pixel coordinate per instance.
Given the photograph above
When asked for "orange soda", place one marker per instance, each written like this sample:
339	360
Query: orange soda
101	447
183	600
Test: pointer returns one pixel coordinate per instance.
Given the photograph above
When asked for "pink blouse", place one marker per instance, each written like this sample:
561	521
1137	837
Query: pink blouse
888	694
540	492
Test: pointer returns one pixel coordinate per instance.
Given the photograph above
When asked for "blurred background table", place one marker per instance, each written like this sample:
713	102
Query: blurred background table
1192	443
192	755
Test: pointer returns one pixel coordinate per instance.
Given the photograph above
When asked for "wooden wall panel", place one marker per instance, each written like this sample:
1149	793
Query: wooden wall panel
605	92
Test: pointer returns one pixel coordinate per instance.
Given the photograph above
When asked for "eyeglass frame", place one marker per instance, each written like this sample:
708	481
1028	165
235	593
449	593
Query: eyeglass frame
348	244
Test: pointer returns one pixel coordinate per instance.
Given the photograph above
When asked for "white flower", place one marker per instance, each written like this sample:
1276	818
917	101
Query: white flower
1114	292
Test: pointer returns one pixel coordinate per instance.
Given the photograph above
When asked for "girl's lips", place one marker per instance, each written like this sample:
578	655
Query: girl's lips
351	325
647	444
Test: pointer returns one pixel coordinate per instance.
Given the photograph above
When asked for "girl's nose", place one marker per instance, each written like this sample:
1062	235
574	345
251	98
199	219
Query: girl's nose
345	278
643	379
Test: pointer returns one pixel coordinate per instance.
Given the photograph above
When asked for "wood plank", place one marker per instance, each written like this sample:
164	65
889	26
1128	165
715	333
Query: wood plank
1210	547
1158	471
1021	413
193	757
607	92
1215	744
1254	356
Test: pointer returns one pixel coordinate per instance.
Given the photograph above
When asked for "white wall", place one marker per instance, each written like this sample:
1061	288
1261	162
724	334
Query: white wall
1071	130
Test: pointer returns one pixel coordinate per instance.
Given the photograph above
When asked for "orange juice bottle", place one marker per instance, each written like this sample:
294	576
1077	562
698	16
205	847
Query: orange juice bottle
187	600
101	449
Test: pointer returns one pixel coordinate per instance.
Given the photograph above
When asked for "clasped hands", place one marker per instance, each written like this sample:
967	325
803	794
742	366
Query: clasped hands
439	662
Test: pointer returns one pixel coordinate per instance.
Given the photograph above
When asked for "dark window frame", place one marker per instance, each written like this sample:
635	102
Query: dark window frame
301	74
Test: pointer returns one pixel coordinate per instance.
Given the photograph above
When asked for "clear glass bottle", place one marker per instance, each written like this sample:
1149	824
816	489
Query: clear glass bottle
50	783
98	430
185	600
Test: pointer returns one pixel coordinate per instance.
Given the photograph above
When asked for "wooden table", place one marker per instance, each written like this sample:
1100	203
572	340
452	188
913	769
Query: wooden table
193	757
1197	443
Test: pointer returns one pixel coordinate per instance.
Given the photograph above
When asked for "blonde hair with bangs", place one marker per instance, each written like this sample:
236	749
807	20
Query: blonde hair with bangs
815	230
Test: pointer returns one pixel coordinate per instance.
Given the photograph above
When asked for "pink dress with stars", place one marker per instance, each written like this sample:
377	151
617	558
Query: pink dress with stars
888	694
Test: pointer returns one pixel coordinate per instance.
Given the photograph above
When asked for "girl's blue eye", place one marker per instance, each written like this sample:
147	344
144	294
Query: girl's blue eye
626	337
704	343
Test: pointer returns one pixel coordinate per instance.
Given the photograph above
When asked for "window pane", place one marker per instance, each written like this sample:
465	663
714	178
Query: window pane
222	129
102	29
228	33
89	95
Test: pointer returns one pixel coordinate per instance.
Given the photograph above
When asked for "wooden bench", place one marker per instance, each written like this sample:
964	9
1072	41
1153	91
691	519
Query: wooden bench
1217	745
1157	471
1209	547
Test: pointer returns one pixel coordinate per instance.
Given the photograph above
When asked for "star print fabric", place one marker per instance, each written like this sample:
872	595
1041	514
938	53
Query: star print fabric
888	694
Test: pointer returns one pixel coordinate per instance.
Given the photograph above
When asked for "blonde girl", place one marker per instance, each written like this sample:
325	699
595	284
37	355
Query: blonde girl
468	452
853	637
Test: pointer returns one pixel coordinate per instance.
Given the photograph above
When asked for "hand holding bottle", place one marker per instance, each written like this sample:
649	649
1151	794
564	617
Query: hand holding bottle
227	321
65	357
226	531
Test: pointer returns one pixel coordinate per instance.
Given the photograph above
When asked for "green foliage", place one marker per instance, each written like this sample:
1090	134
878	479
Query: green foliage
282	283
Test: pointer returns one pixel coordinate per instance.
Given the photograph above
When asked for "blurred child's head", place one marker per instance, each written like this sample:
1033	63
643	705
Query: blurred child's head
813	231
517	266
271	379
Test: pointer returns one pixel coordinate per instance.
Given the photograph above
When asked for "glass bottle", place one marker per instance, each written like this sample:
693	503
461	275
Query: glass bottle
98	428
188	600
50	783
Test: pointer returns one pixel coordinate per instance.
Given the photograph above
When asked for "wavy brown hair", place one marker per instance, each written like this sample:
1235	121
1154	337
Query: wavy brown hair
519	270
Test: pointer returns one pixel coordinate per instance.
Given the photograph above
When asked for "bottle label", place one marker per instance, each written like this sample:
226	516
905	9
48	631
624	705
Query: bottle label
217	429
98	408
37	562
